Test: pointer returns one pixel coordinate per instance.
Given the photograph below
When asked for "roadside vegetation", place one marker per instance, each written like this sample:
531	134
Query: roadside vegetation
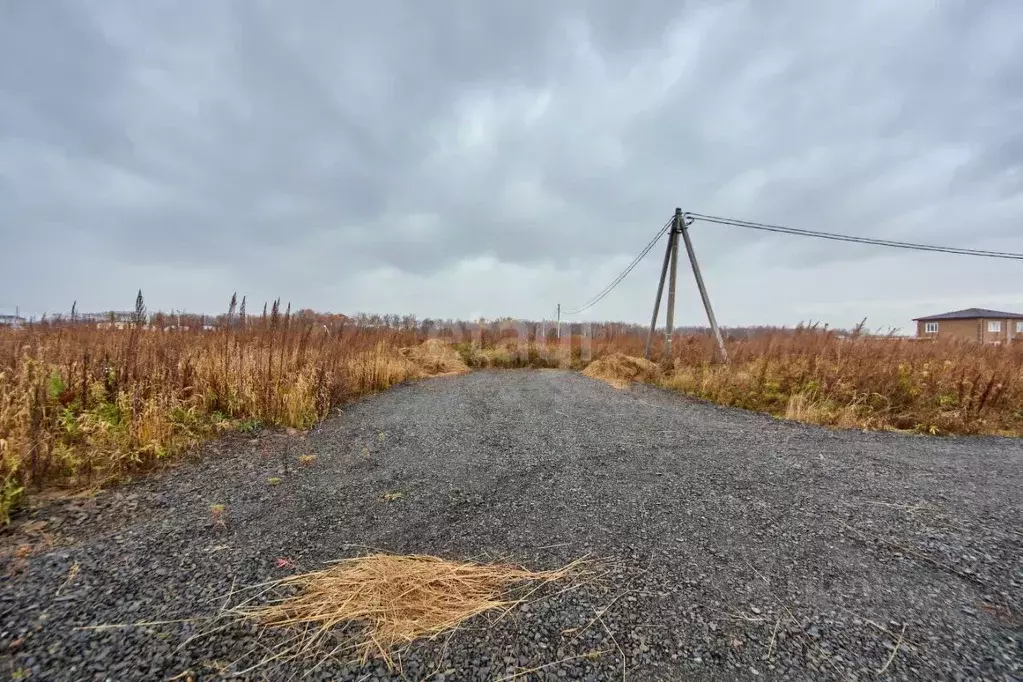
870	382
81	406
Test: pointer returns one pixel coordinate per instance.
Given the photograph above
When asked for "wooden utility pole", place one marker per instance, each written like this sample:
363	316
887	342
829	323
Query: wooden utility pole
676	227
684	229
660	291
559	320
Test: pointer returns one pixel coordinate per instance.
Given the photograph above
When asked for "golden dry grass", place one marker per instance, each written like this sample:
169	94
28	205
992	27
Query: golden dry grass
435	358
501	353
621	370
381	603
81	406
870	382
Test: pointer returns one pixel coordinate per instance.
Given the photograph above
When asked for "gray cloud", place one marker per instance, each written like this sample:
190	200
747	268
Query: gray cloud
461	158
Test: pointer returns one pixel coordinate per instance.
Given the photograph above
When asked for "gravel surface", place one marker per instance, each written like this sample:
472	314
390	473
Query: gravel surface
736	546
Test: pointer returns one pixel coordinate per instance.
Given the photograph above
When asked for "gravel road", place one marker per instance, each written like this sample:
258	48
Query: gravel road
737	546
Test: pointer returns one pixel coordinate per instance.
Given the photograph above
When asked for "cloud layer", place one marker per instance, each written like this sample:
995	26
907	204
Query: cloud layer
458	158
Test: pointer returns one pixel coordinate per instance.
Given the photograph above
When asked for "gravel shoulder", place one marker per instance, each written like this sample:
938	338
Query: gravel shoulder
737	546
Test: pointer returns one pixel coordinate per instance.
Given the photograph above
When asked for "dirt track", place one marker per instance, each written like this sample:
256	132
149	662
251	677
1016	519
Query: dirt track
739	546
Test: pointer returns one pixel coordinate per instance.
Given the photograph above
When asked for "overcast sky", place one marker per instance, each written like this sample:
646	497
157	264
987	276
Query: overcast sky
467	158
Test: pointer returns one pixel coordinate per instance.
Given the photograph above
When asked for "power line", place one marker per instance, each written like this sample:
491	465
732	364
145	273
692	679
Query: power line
621	276
851	238
624	273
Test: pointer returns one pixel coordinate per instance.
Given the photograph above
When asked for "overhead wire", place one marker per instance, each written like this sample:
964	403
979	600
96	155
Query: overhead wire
623	274
854	239
688	217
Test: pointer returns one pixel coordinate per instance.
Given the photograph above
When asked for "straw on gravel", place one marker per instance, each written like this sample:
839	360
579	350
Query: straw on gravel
435	358
389	601
620	370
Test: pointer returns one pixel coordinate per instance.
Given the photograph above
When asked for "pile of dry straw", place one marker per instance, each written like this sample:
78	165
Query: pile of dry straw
621	370
376	605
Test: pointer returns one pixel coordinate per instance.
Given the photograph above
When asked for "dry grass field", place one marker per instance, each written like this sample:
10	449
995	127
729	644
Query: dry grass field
866	382
82	406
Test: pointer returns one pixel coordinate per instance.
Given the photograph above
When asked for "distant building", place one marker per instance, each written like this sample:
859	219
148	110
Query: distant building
109	320
11	321
974	324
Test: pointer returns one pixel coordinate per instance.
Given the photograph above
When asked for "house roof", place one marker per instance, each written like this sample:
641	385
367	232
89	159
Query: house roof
971	314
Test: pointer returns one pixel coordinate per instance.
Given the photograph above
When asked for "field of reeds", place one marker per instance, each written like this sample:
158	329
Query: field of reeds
82	406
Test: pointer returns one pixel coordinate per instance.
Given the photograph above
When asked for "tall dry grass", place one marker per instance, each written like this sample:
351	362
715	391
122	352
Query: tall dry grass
81	405
817	376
